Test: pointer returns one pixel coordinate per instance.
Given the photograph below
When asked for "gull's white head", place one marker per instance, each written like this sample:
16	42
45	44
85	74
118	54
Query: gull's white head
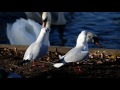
87	37
46	19
91	37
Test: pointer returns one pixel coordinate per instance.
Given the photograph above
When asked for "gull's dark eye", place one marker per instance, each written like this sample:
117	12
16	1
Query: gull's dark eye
45	30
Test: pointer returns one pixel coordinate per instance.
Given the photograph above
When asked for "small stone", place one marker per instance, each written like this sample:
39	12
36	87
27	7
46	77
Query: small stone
107	60
99	62
78	62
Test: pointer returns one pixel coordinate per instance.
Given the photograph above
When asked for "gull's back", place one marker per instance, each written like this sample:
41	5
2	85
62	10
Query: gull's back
76	54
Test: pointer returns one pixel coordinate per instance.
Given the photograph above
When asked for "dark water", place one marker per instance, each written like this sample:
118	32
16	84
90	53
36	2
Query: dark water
105	24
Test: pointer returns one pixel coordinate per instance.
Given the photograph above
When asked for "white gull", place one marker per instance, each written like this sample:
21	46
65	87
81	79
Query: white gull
39	48
80	51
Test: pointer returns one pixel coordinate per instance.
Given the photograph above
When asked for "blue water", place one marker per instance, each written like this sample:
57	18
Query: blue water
105	24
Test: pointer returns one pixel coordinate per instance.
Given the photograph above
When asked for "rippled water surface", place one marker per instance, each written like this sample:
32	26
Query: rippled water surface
105	24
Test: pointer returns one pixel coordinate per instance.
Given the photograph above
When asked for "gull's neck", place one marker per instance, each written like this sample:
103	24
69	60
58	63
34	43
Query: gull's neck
41	38
47	39
81	41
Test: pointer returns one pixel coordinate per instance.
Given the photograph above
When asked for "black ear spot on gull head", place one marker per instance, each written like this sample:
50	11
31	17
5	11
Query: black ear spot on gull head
47	30
96	39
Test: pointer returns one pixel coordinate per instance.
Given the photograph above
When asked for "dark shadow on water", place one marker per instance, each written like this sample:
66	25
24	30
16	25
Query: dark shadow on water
60	29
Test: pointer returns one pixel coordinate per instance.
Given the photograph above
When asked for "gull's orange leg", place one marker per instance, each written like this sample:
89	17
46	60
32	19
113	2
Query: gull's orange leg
33	63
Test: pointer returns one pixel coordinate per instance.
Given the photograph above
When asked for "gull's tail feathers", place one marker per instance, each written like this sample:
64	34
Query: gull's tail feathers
58	65
23	62
61	57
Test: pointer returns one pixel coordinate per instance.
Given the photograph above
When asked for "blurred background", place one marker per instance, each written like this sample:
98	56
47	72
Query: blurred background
105	24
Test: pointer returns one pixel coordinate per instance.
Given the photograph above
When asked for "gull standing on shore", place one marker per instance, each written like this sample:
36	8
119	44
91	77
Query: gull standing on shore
39	48
80	51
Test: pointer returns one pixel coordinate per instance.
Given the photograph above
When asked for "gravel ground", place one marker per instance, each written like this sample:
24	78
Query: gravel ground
100	64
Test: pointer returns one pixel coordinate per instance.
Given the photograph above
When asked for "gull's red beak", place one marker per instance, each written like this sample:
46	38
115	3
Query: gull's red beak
98	44
96	41
44	22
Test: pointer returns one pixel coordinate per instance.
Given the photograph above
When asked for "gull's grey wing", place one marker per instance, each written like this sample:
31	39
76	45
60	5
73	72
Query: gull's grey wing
75	55
39	51
35	51
28	53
